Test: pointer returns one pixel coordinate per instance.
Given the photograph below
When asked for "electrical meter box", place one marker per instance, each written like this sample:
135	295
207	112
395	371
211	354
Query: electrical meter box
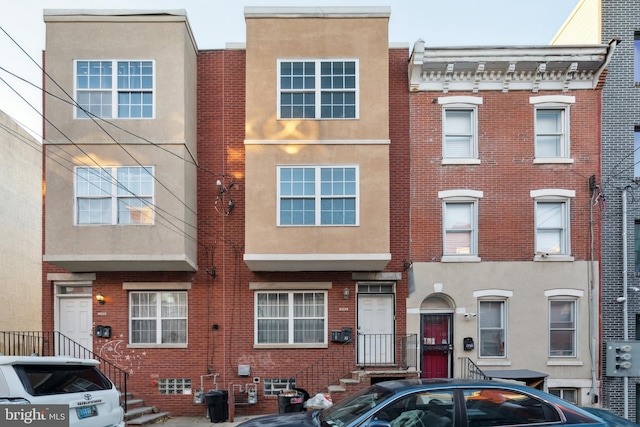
623	359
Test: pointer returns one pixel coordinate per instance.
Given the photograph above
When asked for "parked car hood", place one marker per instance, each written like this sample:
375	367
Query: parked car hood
293	419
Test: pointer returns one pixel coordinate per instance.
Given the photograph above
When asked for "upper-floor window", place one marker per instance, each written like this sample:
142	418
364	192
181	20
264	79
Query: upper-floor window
317	195
636	57
114	195
562	328
312	89
492	325
552	136
291	317
636	152
115	89
460	224
636	241
459	128
552	222
158	317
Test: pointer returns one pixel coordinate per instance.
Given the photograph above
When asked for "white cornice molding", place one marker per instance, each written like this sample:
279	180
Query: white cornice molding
508	68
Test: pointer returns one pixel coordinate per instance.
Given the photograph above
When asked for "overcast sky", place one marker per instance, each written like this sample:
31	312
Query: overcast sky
217	22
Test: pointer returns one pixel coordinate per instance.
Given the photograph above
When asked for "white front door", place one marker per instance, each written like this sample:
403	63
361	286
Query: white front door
75	323
376	338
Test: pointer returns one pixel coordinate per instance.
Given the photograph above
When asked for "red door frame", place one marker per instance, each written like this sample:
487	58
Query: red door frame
436	345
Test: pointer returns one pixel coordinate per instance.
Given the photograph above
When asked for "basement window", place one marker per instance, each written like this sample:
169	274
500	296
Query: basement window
174	386
273	386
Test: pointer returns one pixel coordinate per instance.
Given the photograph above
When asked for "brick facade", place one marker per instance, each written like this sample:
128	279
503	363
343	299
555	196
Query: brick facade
621	113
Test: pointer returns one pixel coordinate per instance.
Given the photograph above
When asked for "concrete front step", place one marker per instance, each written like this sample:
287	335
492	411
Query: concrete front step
132	403
148	419
139	411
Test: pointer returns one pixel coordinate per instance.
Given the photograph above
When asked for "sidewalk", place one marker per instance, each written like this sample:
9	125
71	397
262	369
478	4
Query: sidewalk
202	421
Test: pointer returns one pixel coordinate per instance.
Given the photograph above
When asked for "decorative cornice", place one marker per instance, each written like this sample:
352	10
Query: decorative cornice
531	68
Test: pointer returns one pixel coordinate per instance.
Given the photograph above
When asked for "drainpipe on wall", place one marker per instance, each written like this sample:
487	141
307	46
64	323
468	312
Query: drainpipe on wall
625	321
595	314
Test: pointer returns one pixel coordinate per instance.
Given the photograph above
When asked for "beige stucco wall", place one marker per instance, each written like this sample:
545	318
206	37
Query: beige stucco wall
264	237
270	39
167	142
364	141
167	42
527	310
20	229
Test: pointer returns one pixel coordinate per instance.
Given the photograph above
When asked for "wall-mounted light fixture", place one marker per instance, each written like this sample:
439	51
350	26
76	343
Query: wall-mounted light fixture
345	293
100	299
223	203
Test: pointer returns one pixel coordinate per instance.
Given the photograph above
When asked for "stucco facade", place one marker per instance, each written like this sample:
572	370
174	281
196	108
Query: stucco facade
21	228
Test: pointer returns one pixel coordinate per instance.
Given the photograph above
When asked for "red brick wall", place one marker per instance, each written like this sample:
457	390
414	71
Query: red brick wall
507	173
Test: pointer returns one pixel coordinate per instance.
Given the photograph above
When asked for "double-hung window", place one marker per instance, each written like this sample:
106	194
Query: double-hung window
460	224
318	89
636	153
552	222
552	136
158	317
636	57
291	317
114	195
114	89
460	128
317	195
492	328
562	328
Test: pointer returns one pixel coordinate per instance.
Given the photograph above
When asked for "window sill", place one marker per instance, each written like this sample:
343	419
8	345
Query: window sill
291	346
552	160
485	362
146	345
565	363
457	258
461	161
553	258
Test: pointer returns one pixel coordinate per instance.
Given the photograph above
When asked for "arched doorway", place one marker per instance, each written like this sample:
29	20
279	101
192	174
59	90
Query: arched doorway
436	327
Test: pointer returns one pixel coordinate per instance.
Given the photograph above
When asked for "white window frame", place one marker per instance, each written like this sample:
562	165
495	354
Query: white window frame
636	58
317	90
502	327
107	188
562	198
290	317
461	197
461	103
158	317
317	195
573	329
114	90
561	103
561	391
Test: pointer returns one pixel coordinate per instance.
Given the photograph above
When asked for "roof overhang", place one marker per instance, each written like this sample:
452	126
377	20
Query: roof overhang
317	262
531	68
79	264
527	376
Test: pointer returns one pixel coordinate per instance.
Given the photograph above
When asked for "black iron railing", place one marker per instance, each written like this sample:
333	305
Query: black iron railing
37	343
468	369
387	350
365	350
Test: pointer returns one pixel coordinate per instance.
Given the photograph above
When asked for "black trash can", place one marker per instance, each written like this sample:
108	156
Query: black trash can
218	405
290	401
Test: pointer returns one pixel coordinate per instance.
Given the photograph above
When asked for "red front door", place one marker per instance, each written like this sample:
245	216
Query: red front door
436	346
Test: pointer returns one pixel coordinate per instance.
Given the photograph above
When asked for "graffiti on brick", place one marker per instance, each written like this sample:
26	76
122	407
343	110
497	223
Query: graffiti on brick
115	351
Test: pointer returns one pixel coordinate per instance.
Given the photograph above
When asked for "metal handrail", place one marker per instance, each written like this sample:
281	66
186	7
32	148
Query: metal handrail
468	369
54	343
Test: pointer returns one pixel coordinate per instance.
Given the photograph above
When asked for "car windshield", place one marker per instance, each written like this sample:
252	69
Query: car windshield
344	412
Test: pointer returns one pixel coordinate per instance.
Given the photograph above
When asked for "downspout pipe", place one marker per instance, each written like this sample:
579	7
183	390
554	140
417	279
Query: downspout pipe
625	305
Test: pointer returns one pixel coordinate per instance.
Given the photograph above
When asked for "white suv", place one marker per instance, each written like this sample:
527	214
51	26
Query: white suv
93	400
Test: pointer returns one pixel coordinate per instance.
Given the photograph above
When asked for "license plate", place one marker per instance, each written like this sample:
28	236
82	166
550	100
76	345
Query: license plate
87	411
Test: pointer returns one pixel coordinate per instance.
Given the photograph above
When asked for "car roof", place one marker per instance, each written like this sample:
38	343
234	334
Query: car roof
46	360
411	383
